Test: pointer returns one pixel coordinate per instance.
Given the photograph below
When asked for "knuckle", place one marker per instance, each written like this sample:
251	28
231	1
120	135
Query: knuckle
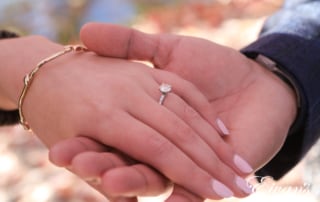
99	113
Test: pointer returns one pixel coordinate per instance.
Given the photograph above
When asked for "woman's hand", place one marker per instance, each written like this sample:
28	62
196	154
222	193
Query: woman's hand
115	102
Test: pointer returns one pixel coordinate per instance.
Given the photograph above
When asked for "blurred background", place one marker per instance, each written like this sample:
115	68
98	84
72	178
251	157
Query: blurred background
27	175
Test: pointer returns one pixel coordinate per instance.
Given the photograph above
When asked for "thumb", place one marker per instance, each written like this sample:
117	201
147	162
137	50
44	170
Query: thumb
122	42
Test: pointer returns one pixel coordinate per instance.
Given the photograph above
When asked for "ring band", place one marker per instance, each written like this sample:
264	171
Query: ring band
164	89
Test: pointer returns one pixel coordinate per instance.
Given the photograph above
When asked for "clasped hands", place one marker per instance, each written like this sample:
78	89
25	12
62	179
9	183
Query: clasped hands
225	117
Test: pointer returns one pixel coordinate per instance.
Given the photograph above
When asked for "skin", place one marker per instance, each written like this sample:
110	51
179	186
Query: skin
62	104
254	104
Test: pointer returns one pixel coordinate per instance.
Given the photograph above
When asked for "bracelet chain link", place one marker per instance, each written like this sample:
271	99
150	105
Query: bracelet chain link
30	77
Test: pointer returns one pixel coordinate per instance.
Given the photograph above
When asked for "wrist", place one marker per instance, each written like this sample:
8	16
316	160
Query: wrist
28	79
272	66
287	90
21	56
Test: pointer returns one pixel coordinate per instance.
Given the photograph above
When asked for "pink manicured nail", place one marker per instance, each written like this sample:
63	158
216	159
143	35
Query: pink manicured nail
221	189
243	165
222	127
244	185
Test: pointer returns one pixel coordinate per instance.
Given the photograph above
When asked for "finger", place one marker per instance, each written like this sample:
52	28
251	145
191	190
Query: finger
190	139
91	165
226	160
185	106
148	146
191	106
117	177
192	96
62	153
135	180
69	152
190	143
179	194
109	173
121	42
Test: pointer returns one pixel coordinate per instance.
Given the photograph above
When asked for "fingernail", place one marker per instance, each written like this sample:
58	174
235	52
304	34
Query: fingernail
243	165
244	185
221	189
222	127
93	180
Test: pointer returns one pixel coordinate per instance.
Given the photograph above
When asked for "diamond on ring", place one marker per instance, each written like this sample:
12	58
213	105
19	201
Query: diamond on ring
164	89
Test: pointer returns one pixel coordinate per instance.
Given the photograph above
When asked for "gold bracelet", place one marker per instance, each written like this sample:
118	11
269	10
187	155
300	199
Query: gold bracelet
29	78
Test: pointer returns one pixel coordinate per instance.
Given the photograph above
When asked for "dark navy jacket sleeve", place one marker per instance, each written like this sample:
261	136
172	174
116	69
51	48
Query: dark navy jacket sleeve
291	37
